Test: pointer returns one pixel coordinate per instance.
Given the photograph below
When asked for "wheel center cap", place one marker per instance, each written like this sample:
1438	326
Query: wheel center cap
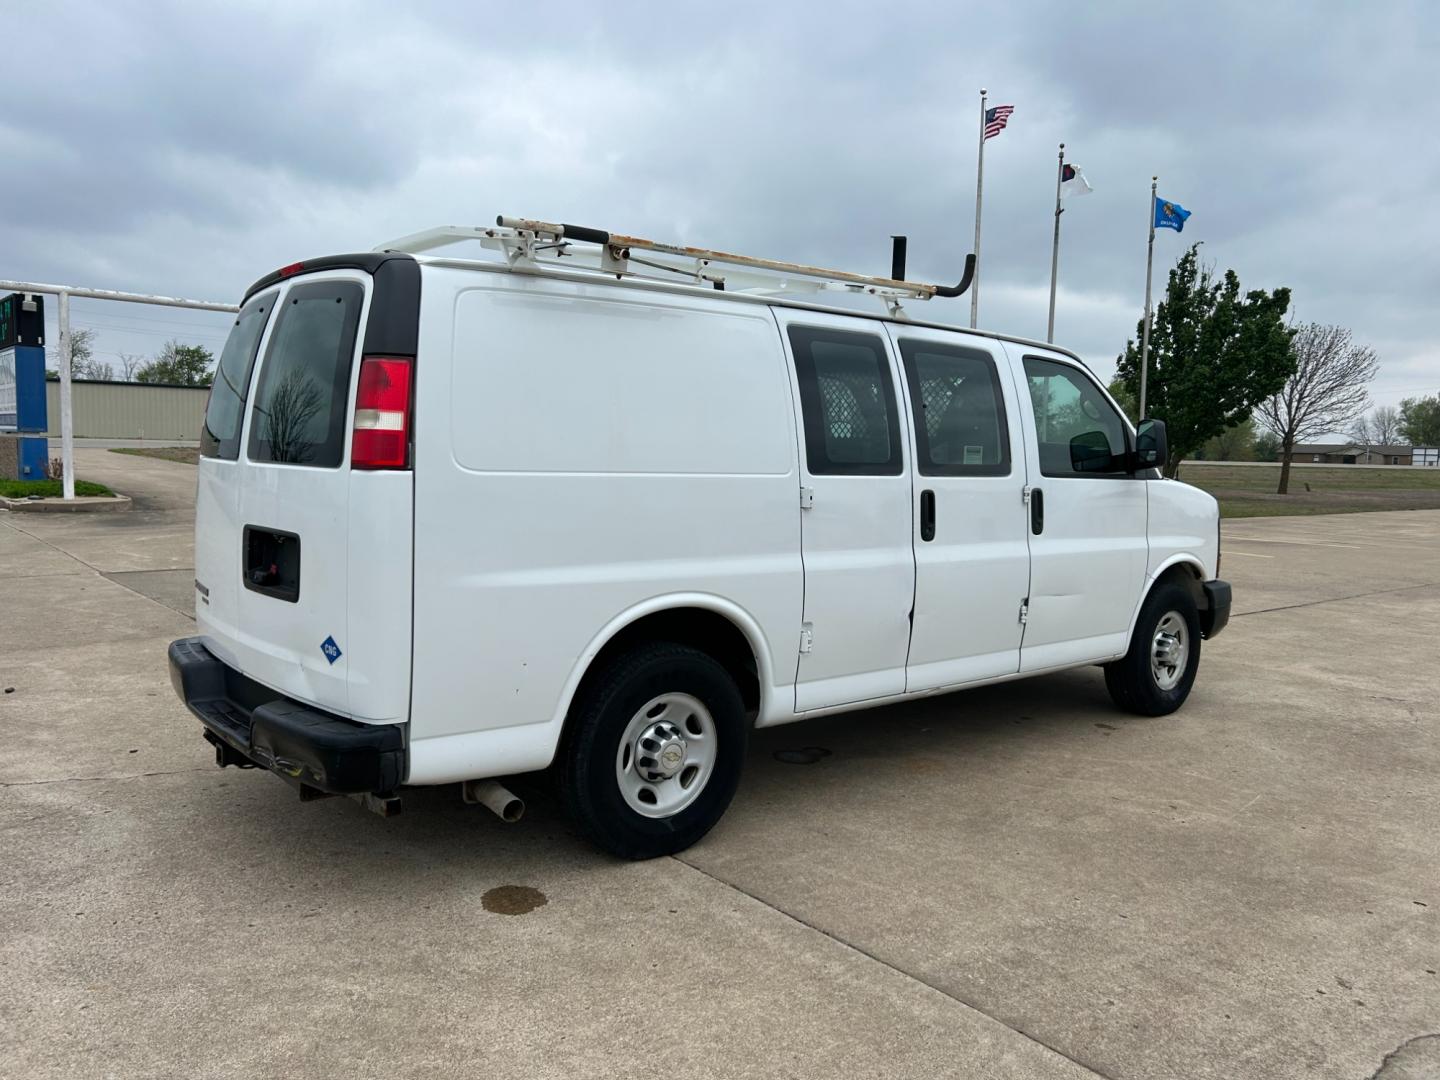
660	752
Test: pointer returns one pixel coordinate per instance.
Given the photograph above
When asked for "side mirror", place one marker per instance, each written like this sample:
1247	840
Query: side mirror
1152	449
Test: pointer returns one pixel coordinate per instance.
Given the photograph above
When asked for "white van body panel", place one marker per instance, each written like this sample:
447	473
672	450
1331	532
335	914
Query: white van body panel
1088	563
973	575
859	559
1183	528
539	520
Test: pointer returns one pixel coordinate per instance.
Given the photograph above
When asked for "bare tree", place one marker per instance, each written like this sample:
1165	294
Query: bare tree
1326	393
1385	424
129	364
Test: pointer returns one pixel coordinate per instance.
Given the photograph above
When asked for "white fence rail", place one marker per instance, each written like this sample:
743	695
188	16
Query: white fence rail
64	293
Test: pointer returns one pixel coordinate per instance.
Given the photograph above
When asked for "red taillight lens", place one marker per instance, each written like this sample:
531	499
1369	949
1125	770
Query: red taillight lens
291	270
382	415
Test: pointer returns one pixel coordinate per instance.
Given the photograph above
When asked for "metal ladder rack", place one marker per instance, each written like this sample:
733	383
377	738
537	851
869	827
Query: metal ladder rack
530	245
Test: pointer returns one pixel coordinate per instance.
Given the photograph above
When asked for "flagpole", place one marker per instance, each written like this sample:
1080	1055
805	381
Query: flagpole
1055	249
979	193
1145	330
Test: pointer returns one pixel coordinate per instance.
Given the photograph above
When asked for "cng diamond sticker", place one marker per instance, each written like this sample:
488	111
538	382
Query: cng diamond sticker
330	649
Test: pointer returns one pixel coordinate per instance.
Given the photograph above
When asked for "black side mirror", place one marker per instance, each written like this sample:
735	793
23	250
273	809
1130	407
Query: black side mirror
1152	449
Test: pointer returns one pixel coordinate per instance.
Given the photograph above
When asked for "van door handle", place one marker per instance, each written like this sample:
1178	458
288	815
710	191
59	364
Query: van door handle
1037	511
927	516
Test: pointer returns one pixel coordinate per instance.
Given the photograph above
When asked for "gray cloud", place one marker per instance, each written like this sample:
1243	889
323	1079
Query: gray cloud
190	148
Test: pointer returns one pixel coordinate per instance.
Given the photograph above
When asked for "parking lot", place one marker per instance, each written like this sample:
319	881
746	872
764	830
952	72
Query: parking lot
1017	881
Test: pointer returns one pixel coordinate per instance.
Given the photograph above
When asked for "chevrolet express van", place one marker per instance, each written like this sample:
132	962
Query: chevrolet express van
462	518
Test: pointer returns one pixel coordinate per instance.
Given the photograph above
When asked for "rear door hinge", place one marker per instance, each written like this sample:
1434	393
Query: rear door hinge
807	498
807	637
1024	611
1025	494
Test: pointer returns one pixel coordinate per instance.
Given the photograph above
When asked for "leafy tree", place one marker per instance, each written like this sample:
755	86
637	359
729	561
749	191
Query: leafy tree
1327	391
1420	420
1214	355
1267	447
179	365
1124	398
1233	444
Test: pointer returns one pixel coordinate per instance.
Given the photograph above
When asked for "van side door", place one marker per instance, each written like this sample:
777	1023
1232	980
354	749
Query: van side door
972	560
855	498
1088	516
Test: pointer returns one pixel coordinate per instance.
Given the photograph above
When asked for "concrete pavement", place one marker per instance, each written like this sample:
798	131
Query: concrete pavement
1017	881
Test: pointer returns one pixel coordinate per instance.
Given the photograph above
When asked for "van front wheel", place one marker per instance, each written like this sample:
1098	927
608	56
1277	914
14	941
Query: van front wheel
654	751
1155	676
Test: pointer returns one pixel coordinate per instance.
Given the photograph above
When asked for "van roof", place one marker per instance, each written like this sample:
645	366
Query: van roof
370	261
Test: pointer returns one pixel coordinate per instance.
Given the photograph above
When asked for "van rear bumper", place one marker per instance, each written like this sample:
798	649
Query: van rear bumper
250	724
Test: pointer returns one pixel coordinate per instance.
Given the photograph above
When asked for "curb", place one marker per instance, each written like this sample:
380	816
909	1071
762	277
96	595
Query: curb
79	505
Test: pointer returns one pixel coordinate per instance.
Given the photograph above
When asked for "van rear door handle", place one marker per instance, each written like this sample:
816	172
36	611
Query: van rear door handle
1037	511
927	516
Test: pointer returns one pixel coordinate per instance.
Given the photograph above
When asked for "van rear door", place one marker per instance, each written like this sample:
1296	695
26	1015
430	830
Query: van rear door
303	552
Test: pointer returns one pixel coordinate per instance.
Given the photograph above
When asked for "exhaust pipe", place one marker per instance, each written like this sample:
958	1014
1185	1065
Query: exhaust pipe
505	804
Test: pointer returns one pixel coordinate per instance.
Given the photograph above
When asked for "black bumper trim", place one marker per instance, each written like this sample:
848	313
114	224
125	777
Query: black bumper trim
296	742
1217	609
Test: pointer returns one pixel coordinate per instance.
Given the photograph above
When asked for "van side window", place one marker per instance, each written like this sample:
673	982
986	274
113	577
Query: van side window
848	399
960	425
1078	432
220	436
304	391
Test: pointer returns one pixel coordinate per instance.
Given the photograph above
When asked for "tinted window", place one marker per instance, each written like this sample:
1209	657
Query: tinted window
220	437
300	403
1078	431
960	414
848	401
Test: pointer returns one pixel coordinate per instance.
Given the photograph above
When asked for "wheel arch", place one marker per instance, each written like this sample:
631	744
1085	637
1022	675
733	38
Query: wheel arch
1183	569
715	626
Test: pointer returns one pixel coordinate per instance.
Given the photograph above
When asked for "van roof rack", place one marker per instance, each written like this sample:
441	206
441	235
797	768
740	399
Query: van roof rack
528	244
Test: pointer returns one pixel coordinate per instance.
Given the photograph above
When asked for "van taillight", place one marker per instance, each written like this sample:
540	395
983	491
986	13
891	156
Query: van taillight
382	415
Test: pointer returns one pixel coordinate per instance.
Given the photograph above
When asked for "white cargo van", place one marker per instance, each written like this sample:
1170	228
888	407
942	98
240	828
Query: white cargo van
463	518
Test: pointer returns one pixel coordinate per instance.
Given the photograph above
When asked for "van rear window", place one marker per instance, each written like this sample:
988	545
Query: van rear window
220	437
304	391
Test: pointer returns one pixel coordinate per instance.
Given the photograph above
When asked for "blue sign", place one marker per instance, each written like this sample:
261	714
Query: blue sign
330	649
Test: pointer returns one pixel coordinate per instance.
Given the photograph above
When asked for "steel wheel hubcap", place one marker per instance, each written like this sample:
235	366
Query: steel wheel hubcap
666	755
1170	650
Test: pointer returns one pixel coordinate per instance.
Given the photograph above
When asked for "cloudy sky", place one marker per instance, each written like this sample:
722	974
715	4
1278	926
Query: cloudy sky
190	148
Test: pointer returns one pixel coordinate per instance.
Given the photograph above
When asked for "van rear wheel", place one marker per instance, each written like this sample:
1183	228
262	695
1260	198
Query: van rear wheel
1155	676
654	751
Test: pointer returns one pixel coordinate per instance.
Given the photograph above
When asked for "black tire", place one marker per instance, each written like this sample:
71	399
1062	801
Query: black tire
598	719
1132	680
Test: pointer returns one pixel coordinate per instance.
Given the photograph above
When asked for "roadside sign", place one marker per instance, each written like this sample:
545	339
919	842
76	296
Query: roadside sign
22	320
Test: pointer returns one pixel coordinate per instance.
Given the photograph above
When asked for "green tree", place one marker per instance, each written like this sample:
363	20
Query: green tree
1420	420
1124	398
179	365
1235	443
1214	355
1267	447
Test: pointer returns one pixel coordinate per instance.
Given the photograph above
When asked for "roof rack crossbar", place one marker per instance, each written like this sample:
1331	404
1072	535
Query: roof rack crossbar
524	240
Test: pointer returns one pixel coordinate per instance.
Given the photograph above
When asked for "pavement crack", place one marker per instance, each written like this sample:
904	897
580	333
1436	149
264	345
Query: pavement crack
850	945
90	779
1335	599
1388	1066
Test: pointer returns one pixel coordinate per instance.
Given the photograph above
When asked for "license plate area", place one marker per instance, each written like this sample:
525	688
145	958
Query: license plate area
272	563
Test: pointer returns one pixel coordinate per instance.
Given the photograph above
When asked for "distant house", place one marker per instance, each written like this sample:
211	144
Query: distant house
1426	455
1351	454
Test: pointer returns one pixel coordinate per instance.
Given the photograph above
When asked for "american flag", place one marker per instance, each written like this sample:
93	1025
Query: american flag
996	119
